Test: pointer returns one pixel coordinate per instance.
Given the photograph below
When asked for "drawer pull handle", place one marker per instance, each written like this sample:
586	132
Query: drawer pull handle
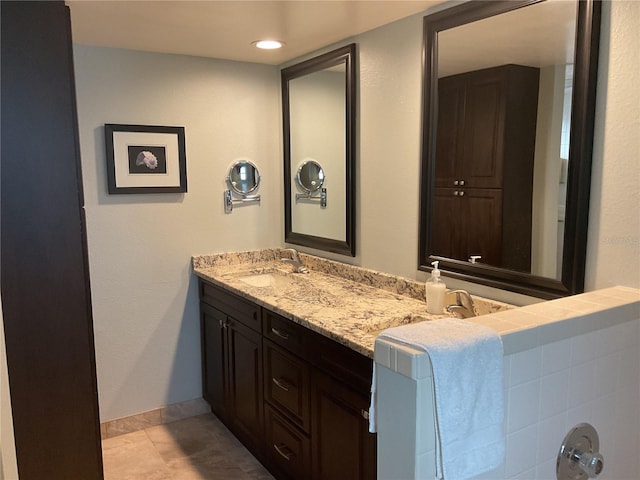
282	335
282	453
280	384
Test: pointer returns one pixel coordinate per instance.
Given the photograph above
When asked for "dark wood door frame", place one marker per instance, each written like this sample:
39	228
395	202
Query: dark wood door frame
46	296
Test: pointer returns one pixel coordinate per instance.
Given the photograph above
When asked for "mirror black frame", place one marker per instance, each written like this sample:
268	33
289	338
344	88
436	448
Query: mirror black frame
346	55
580	152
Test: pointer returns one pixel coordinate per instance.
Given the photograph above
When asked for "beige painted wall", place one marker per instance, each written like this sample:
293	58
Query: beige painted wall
145	300
614	220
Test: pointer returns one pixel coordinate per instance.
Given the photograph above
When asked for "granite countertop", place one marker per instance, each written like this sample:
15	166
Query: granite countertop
348	304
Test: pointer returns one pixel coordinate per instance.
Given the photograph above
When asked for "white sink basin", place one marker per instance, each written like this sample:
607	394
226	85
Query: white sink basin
266	280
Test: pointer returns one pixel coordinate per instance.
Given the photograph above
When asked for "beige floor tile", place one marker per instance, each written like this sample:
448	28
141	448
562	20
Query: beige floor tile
196	448
133	457
184	438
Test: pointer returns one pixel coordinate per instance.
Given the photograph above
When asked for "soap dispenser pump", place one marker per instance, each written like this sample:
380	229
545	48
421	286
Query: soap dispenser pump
435	291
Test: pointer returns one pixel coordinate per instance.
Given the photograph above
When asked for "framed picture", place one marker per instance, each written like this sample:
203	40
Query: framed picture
145	159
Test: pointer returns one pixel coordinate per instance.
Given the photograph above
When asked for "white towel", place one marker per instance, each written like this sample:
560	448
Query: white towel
467	362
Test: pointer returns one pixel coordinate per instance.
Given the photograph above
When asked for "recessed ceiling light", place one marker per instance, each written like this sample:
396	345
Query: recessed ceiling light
268	44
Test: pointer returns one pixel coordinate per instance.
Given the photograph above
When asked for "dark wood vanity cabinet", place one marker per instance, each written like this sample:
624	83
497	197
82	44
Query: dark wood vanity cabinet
302	406
484	166
232	363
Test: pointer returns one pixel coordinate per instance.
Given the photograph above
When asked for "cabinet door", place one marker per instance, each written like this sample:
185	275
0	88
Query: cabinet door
342	445
482	141
214	354
445	230
245	384
481	211
449	136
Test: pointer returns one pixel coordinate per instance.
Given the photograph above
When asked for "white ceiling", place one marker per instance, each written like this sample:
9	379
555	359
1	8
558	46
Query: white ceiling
538	36
225	29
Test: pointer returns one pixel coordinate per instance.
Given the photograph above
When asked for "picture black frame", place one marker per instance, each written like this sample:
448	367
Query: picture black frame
145	159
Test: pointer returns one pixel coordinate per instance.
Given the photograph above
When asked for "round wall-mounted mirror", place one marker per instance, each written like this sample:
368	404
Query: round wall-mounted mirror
310	176
243	177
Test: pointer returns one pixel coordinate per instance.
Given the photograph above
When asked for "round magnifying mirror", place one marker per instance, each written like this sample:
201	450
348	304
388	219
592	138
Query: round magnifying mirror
243	177
310	176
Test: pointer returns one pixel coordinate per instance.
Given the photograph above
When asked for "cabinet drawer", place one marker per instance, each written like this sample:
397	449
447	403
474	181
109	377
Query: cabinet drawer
286	384
342	363
337	360
288	449
286	333
242	310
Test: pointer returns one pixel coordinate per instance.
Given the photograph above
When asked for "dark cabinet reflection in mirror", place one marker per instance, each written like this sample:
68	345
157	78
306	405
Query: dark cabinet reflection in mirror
509	100
318	110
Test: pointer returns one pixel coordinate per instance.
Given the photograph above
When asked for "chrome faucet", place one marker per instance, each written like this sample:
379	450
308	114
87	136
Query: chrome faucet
295	261
460	304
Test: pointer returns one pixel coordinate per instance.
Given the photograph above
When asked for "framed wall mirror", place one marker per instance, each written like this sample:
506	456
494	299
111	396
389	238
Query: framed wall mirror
508	117
319	122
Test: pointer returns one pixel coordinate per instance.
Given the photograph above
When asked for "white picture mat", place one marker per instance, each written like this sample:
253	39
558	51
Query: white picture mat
121	143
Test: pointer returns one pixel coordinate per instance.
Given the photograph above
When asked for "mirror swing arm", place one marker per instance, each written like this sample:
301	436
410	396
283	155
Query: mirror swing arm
580	153
229	200
311	196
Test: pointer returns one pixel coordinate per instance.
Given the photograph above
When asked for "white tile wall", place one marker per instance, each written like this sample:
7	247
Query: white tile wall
591	373
589	378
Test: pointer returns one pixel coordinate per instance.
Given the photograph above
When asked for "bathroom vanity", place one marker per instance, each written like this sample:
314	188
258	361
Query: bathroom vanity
296	399
287	357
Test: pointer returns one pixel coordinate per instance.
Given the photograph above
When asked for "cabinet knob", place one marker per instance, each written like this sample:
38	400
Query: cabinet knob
462	194
455	182
461	183
456	193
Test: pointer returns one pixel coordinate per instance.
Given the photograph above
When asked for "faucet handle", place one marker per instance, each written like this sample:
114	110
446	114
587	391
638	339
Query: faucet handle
463	299
294	253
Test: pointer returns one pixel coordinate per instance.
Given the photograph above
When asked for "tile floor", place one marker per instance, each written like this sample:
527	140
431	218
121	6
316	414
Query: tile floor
196	448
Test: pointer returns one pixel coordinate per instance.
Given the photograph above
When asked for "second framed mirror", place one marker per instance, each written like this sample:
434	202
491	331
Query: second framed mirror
319	124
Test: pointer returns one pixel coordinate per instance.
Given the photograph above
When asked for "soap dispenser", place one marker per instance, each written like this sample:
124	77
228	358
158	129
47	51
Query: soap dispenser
435	291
